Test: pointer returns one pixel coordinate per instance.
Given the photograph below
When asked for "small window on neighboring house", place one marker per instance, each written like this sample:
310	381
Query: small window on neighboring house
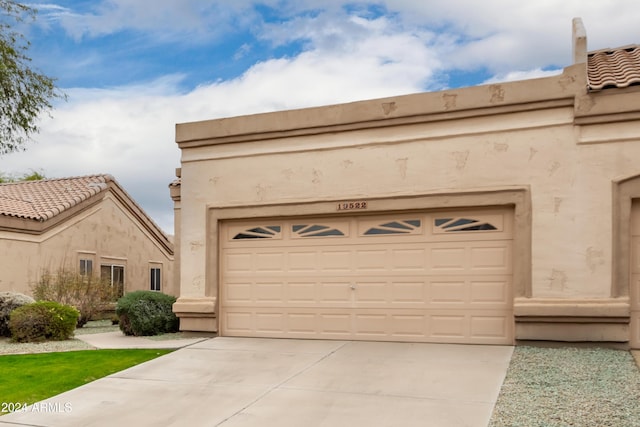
86	267
156	279
115	275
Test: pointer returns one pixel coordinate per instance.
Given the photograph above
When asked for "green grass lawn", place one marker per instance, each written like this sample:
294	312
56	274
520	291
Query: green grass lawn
29	378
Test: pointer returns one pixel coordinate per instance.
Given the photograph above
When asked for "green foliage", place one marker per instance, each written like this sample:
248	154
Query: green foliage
25	93
89	294
30	378
144	313
29	176
43	321
33	176
9	301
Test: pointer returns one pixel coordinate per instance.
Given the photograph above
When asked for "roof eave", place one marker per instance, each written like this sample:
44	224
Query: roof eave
405	109
42	225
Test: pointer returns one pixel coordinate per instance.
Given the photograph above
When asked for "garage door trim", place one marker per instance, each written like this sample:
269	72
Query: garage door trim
515	198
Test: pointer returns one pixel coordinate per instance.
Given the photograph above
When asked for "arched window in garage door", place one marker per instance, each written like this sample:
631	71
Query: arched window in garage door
448	225
259	232
315	230
407	226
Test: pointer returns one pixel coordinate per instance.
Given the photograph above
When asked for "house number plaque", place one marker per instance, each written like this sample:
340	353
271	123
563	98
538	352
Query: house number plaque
351	206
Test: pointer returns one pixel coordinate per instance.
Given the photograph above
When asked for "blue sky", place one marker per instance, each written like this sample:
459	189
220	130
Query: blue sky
134	68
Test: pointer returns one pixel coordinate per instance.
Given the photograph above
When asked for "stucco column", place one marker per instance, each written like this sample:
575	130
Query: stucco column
195	310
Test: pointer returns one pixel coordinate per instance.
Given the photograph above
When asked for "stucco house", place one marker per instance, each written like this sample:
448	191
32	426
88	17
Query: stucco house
87	223
486	214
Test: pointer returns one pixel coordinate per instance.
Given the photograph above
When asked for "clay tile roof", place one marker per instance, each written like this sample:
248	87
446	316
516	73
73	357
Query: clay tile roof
613	68
44	199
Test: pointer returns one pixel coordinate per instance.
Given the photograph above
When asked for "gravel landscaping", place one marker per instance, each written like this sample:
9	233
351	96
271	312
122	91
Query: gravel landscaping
93	327
585	387
7	347
97	327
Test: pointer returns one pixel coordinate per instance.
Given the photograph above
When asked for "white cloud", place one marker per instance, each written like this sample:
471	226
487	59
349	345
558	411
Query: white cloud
499	35
129	131
522	75
164	19
125	133
503	35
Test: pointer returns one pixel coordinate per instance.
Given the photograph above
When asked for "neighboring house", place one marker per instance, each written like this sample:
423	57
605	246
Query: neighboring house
85	223
486	214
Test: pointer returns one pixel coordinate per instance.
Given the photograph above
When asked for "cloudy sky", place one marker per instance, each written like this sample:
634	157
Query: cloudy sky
134	68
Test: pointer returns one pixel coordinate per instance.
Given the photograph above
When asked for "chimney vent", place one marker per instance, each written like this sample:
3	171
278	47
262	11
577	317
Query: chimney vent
579	42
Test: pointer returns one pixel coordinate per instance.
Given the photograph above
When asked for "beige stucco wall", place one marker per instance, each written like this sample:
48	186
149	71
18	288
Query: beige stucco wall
523	134
105	232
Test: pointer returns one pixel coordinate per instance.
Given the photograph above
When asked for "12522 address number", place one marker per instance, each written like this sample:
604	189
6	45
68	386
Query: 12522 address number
350	206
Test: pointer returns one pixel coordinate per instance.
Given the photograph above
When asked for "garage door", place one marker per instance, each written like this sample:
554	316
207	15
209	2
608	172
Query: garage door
424	277
635	275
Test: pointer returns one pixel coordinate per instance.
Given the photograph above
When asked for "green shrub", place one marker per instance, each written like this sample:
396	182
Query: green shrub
89	294
144	313
9	301
43	321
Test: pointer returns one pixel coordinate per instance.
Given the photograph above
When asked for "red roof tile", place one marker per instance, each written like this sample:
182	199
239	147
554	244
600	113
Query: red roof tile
44	199
613	68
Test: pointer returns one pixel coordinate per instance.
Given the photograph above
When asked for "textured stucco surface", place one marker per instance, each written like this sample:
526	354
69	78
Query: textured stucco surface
564	146
106	232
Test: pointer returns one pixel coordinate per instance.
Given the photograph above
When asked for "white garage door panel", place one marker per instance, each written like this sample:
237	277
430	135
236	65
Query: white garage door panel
423	277
491	291
470	326
492	257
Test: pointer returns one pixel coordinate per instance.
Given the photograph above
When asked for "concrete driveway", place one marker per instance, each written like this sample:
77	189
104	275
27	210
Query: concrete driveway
247	382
